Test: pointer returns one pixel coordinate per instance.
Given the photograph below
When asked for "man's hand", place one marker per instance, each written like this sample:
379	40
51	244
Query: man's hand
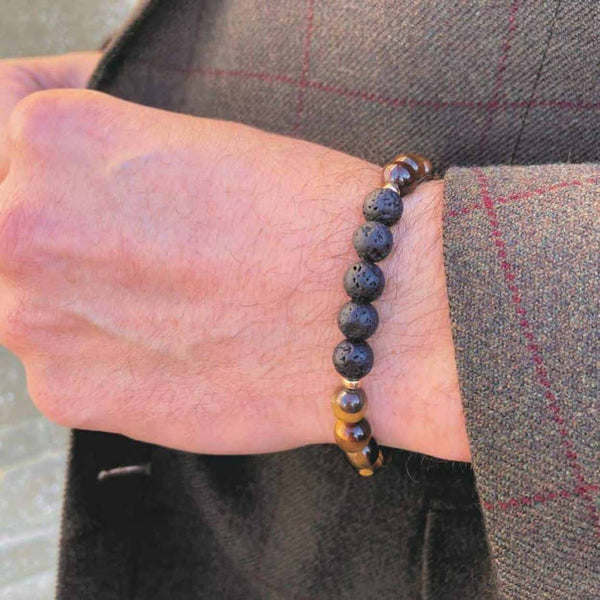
177	280
20	77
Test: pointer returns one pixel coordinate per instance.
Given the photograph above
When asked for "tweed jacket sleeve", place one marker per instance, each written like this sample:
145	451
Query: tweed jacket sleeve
521	254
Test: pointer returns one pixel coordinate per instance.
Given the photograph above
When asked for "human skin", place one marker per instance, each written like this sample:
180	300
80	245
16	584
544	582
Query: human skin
176	279
20	77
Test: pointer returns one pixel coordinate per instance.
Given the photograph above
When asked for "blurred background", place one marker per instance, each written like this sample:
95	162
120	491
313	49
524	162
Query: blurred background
32	450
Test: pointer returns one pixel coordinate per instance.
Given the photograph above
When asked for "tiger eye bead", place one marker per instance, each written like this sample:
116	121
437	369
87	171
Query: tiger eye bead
367	472
352	437
401	175
349	405
358	320
372	241
419	164
353	360
383	205
367	457
364	281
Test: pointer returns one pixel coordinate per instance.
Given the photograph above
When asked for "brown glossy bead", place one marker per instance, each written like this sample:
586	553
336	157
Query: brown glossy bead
352	437
401	175
366	457
368	471
349	405
419	164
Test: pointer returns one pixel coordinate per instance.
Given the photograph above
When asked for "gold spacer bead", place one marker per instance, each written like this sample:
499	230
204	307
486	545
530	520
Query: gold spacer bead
350	384
390	185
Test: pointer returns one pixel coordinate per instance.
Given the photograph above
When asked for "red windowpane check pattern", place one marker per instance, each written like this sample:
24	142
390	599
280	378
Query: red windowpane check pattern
582	488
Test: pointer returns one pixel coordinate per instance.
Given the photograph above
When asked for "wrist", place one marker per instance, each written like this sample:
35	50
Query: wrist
416	402
413	391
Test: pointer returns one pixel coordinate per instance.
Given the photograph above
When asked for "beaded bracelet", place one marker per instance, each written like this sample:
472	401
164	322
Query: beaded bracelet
358	318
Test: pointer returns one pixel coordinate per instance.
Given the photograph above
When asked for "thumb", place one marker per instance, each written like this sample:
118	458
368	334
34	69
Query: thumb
37	73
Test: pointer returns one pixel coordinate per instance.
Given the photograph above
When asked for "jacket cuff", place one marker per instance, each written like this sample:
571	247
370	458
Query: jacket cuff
521	258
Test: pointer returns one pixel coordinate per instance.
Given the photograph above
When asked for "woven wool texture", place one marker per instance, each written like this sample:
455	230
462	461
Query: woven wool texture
528	366
468	84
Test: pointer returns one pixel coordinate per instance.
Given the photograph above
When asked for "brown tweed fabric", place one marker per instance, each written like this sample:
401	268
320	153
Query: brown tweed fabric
468	83
521	249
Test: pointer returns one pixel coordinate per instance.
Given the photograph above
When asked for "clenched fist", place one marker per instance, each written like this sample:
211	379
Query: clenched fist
177	280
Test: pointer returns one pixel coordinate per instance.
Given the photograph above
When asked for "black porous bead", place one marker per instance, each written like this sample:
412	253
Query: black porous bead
352	360
372	241
358	320
383	205
364	281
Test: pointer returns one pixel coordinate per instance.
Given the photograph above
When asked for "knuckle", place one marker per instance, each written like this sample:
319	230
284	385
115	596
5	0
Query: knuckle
37	119
33	119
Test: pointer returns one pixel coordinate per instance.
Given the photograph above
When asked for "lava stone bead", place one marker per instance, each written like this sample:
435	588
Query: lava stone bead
401	175
383	205
353	360
352	437
372	241
349	405
364	281
358	320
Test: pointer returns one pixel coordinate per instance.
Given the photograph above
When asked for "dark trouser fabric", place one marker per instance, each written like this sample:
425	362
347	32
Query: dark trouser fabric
465	83
288	525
